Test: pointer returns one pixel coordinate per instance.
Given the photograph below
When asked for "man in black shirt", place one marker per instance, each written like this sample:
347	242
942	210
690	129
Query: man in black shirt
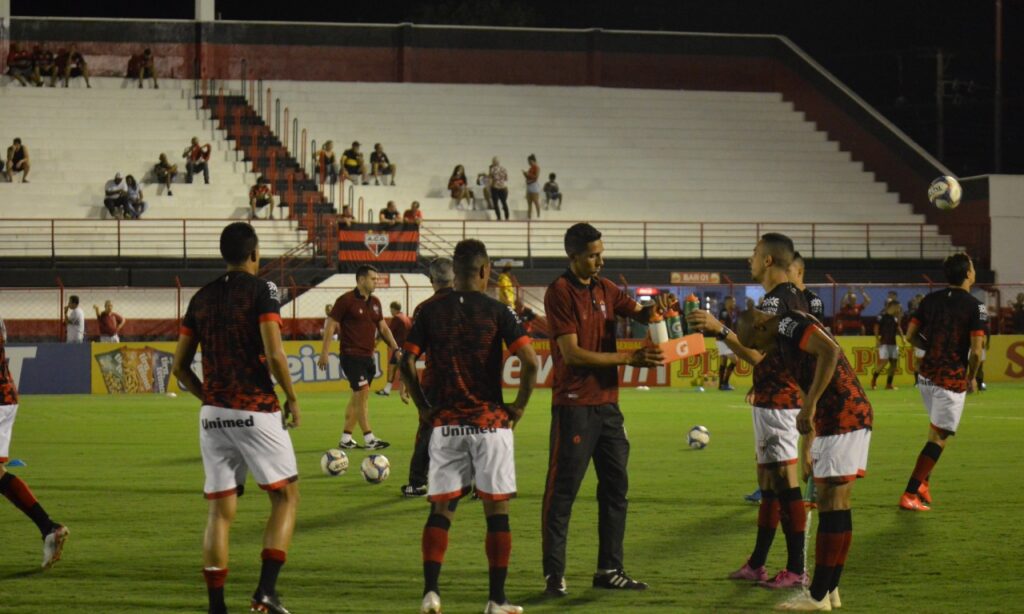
352	163
380	165
887	329
390	216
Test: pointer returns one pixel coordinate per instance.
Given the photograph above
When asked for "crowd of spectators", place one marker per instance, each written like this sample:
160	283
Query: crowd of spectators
27	67
352	166
492	188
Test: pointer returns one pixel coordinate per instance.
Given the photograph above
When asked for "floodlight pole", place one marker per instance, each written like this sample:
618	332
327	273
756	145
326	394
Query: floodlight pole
940	111
997	111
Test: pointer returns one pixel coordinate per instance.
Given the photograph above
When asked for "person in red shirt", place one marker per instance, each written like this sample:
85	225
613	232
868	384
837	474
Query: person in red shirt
261	196
471	443
532	176
358	314
20	66
400	325
141	66
586	423
110	323
236	319
837	413
11	486
848	320
197	158
71	63
413	215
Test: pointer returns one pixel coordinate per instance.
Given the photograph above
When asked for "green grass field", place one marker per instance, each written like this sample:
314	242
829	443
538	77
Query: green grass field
124	474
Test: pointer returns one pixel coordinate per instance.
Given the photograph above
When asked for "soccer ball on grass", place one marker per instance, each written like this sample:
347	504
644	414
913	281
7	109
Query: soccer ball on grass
376	468
698	437
334	462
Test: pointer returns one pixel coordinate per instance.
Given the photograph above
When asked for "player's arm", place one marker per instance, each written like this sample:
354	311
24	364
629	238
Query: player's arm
974	362
575	356
385	332
817	344
96	308
914	335
527	381
704	321
407	367
865	297
325	349
878	333
270	332
182	369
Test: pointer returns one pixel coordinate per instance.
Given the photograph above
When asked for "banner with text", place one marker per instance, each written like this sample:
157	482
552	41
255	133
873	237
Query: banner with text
371	243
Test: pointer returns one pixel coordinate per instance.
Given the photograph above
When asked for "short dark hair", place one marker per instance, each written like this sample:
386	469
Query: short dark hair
73	298
469	256
579	236
780	248
532	158
365	270
237	242
355	143
551	176
955	267
396	305
17	140
797	257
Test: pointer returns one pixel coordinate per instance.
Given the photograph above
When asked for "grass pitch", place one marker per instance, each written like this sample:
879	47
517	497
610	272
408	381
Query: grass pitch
124	474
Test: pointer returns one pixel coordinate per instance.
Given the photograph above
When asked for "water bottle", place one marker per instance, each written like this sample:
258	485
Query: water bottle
657	329
691	304
674	323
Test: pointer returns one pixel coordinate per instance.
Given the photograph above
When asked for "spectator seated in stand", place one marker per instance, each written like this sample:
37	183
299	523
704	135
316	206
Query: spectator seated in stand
1018	314
389	216
261	196
552	194
165	172
326	163
381	165
849	320
141	66
136	204
44	62
17	161
115	197
459	188
20	66
71	63
352	164
413	215
197	158
346	219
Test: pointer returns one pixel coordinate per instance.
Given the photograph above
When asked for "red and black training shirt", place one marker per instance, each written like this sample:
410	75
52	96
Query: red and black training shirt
948	319
774	387
359	317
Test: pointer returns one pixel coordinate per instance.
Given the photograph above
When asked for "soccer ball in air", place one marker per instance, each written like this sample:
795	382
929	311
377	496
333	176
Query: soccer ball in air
698	437
945	192
334	462
376	468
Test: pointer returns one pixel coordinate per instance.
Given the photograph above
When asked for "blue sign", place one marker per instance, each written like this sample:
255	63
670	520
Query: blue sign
51	368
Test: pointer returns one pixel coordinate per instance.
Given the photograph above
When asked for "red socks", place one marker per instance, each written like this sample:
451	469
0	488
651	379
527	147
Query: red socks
17	491
499	549
925	463
434	545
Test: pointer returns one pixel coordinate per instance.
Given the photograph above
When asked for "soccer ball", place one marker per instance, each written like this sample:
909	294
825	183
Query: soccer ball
698	437
334	462
945	192
376	468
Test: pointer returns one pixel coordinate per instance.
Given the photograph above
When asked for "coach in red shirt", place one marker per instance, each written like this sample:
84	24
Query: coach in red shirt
358	313
586	422
110	323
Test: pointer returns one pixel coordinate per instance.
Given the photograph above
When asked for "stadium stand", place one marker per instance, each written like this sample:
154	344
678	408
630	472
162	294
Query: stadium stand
78	138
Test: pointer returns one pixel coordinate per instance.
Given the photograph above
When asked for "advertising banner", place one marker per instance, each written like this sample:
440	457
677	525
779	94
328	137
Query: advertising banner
49	368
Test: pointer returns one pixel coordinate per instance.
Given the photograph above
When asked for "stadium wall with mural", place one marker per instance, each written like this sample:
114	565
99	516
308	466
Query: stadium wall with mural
144	368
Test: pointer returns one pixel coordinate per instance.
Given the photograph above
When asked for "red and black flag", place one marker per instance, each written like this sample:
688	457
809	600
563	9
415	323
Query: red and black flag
370	243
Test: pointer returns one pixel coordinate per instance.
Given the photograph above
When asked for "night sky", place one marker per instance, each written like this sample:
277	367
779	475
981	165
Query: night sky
885	51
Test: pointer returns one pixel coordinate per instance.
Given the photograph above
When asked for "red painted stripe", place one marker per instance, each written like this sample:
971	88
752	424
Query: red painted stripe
271	317
552	474
412	348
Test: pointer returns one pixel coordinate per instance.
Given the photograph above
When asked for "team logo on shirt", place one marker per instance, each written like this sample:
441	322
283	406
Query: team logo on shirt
983	312
376	308
770	304
274	294
787	326
376	242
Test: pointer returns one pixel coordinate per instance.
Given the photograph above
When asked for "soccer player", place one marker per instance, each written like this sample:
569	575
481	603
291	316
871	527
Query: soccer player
11	486
110	323
776	404
358	314
586	422
462	331
74	320
837	411
950	325
815	306
400	325
441	280
887	330
242	428
726	357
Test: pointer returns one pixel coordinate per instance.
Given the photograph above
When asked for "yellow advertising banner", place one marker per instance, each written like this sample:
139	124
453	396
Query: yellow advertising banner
1004	362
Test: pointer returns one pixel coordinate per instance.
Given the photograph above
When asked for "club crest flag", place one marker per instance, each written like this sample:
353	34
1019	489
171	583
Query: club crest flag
371	243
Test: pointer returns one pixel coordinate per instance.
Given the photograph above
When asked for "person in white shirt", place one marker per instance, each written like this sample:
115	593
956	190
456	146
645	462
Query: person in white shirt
74	320
116	197
136	204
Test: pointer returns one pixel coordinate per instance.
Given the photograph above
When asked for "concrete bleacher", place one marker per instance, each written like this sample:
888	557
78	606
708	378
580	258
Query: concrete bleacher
78	138
620	154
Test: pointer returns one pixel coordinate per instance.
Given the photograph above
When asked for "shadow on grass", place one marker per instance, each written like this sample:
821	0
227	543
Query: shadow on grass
25	573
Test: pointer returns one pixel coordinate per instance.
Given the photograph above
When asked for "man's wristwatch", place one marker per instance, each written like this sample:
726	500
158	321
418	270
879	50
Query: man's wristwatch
722	334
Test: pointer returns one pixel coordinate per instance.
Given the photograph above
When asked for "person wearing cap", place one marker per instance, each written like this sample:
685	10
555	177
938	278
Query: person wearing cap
116	196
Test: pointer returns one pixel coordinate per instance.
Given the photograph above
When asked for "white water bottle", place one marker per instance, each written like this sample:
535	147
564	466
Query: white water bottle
657	329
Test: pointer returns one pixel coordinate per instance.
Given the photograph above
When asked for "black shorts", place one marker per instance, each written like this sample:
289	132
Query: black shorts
359	371
384	170
394	357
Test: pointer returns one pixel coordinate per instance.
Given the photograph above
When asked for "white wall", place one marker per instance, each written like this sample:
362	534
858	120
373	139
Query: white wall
1006	209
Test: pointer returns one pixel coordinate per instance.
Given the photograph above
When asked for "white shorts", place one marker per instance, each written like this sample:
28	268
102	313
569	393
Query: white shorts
841	457
945	407
775	436
533	188
7	415
463	455
723	349
235	441
110	339
888	352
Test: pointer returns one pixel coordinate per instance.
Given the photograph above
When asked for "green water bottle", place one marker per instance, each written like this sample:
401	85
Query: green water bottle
691	304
